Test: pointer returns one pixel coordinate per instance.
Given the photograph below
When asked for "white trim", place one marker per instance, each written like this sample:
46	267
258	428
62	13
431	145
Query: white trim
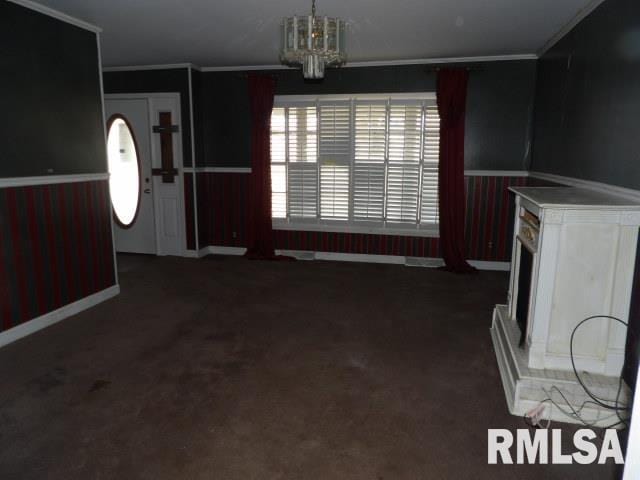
581	15
444	60
467	173
386	63
357	257
168	66
106	159
50	12
598	186
351	227
496	173
218	169
52	179
38	323
193	164
632	467
349	257
286	100
494	266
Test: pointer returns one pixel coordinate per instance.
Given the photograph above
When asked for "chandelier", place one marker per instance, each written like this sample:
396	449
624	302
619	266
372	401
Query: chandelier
313	42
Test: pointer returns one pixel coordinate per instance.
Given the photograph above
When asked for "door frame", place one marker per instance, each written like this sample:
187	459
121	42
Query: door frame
177	162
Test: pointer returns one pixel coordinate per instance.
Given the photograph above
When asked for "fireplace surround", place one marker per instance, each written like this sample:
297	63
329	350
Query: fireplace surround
573	257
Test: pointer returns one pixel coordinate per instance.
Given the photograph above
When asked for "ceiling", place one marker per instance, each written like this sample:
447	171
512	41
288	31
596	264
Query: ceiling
246	32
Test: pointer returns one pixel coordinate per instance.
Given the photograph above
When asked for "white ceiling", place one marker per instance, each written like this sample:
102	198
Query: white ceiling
245	32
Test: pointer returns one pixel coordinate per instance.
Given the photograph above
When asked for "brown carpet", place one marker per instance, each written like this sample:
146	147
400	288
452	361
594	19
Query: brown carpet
224	368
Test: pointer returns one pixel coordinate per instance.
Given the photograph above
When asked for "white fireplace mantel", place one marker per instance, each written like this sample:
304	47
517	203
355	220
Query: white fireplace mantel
582	249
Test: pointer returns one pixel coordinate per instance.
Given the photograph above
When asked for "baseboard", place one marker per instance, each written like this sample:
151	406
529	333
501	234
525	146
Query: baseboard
343	257
48	319
358	257
220	250
486	265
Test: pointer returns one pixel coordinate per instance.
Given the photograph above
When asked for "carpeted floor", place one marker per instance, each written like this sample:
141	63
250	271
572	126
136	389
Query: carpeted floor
224	368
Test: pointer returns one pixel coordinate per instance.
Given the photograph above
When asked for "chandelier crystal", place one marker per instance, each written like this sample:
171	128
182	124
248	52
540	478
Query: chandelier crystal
313	43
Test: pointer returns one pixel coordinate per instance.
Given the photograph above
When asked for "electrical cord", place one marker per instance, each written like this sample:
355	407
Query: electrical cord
595	398
575	413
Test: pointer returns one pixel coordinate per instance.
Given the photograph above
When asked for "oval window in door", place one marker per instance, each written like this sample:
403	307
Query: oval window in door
124	170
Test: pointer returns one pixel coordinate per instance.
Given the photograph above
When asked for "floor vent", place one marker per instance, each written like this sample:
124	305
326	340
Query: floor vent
423	262
301	255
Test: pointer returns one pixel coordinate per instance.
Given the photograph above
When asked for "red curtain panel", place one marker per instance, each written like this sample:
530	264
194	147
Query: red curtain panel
259	228
452	99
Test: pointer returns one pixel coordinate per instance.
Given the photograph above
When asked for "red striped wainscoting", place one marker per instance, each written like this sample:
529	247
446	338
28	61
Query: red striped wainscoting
489	222
190	224
55	247
222	203
339	242
489	217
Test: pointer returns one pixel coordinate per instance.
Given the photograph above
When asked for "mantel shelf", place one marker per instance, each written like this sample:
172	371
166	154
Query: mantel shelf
572	198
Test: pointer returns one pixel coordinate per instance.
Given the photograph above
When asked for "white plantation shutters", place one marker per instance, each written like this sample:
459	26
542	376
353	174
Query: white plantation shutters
334	191
303	190
430	153
359	162
335	160
403	174
278	164
302	149
370	160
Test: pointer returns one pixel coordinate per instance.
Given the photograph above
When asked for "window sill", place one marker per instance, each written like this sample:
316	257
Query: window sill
407	230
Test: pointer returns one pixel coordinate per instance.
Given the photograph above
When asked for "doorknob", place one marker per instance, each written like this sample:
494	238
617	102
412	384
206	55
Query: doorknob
147	190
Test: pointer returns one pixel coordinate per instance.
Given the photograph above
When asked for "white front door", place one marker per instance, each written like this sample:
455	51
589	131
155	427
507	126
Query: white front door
148	208
130	182
168	186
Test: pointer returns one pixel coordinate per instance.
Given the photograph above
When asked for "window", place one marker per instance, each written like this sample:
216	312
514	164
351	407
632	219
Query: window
124	170
367	164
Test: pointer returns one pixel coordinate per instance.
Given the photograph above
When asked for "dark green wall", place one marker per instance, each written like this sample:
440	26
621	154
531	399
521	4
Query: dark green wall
50	96
500	103
587	114
588	99
157	81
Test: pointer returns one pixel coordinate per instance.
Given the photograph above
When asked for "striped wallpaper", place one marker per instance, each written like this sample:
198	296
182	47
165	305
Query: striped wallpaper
55	247
489	222
222	202
189	215
489	217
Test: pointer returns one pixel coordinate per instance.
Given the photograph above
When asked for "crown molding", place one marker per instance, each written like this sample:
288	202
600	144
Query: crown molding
167	66
57	15
444	60
385	63
581	15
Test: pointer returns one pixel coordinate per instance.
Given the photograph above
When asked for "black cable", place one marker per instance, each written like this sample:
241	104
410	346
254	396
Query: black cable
596	399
